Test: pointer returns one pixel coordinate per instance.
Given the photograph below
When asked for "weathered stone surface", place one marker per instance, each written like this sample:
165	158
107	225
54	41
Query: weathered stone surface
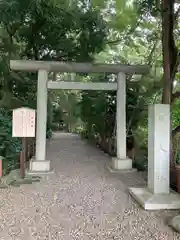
14	179
175	223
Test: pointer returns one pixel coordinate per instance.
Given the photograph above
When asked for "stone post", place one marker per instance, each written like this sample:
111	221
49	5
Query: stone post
157	195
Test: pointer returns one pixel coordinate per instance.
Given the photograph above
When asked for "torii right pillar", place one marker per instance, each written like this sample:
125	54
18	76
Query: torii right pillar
121	163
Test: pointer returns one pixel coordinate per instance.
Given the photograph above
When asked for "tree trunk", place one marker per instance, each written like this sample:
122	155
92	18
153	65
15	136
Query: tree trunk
166	24
170	56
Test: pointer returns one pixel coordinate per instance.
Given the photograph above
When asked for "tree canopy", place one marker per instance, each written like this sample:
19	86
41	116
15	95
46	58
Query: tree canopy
126	31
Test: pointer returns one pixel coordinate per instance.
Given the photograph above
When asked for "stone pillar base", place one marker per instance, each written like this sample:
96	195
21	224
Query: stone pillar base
121	166
37	167
175	223
150	201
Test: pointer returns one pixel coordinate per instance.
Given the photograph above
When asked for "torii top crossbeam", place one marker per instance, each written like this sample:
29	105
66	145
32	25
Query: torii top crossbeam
51	66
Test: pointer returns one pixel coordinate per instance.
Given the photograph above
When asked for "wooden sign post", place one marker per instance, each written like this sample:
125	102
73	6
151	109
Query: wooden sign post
23	126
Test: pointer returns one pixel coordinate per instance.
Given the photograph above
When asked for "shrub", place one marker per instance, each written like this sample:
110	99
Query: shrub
8	144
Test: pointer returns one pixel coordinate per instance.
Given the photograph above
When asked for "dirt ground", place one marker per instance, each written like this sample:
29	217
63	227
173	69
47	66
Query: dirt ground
81	200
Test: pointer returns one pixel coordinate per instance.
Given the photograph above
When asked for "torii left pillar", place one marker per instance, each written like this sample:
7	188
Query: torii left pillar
40	164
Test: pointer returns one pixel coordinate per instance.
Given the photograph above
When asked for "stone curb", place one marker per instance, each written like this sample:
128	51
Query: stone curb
14	179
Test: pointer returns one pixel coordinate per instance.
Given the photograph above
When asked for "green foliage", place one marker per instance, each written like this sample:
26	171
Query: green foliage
150	7
44	30
176	148
133	39
65	109
98	109
41	30
176	114
8	145
126	32
177	155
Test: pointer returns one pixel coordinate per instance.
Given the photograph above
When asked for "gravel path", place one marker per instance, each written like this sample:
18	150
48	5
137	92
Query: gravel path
81	200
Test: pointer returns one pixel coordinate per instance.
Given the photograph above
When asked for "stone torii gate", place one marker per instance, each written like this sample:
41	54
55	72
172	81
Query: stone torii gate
40	164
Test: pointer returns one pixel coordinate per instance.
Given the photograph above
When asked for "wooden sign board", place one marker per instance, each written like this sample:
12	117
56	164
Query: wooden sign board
23	124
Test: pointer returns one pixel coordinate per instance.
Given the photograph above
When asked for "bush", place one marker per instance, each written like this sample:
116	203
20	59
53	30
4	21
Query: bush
48	134
8	144
10	147
10	163
141	148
